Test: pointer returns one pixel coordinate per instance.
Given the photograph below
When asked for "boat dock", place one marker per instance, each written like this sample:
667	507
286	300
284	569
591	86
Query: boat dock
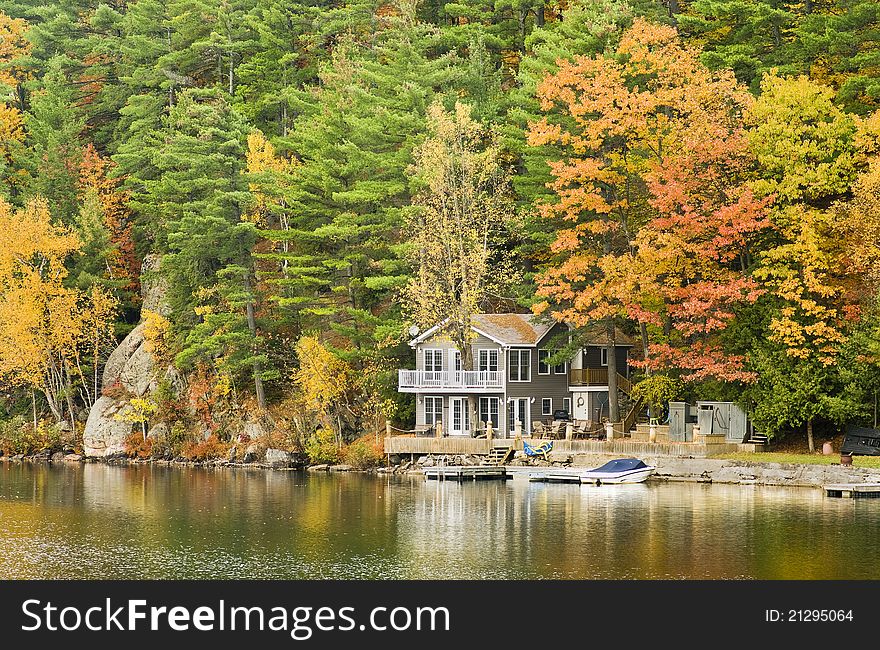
555	476
853	490
461	473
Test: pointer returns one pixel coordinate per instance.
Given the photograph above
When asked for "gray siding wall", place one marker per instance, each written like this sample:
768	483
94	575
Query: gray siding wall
443	343
553	386
592	358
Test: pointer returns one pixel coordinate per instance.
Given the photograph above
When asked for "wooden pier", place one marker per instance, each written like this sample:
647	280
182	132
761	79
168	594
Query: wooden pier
555	476
462	473
853	490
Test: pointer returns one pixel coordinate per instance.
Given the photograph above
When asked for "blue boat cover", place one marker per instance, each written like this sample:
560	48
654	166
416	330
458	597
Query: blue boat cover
620	465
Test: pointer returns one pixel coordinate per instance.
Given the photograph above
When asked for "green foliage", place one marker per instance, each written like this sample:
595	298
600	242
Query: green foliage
364	453
18	436
318	236
322	447
657	390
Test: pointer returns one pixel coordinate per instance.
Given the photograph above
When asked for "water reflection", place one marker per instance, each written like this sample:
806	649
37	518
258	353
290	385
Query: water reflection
94	521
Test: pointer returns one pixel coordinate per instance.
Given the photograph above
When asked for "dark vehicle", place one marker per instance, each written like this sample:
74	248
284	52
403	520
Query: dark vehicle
861	441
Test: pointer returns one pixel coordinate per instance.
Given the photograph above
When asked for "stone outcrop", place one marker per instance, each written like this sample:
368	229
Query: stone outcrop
105	432
129	370
279	458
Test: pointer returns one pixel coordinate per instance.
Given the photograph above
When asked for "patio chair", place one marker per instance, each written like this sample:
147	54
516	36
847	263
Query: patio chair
538	429
541	450
557	429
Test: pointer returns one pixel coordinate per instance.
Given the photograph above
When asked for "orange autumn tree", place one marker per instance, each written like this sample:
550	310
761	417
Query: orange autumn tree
96	183
657	215
49	333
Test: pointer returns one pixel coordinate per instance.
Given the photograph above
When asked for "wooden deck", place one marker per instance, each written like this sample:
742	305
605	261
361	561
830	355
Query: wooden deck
453	446
555	476
853	490
470	473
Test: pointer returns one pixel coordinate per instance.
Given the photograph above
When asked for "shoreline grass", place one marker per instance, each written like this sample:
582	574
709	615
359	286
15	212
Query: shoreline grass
872	462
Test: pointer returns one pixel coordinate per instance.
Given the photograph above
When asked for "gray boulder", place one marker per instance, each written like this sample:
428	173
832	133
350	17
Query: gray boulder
279	458
119	358
158	431
105	433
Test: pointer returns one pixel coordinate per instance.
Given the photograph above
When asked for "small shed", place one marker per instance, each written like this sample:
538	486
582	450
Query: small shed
723	418
861	441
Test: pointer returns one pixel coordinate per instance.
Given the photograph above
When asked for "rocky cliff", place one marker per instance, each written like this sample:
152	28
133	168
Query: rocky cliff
129	371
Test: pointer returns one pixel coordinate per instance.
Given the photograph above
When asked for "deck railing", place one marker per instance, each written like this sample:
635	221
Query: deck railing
597	377
450	379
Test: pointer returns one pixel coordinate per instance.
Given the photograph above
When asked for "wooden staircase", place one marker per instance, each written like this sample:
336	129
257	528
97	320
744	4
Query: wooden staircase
757	438
629	421
500	455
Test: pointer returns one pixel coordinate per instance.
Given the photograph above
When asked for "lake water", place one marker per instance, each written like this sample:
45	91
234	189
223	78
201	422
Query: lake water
97	521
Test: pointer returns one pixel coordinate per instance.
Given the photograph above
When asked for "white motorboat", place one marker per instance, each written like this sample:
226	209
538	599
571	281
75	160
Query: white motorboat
620	470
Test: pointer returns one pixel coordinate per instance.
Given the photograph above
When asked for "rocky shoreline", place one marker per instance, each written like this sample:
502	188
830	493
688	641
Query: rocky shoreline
694	470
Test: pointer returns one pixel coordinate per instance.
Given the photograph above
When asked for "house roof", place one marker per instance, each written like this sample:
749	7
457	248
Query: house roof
526	330
505	329
511	329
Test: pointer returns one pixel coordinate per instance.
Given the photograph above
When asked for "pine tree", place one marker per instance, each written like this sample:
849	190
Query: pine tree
841	48
196	196
349	194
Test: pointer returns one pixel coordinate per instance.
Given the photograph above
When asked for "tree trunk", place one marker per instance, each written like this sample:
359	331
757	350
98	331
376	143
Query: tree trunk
252	326
34	404
613	404
810	444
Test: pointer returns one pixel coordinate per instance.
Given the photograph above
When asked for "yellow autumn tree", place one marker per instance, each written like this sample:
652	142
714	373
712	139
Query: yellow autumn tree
46	328
324	381
13	45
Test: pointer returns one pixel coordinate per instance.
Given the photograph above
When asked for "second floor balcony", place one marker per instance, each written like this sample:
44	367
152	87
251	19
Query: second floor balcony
596	377
487	381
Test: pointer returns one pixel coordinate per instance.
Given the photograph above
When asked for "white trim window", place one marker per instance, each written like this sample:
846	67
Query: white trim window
455	360
603	356
487	359
489	411
433	360
546	406
566	405
433	410
560	368
519	365
543	366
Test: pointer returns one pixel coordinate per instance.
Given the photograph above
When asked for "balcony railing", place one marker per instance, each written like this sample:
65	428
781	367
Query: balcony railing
450	379
597	377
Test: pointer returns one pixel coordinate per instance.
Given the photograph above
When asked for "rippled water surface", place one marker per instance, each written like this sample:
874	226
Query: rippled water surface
95	521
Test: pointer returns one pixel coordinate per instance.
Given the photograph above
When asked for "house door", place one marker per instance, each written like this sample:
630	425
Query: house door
460	424
518	411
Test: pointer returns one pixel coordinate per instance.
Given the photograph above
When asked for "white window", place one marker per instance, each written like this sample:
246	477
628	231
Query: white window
433	360
547	406
543	366
489	411
559	368
433	410
603	356
566	405
454	360
488	360
518	364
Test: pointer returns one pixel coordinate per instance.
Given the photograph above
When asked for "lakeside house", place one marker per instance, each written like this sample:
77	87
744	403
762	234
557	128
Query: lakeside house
513	384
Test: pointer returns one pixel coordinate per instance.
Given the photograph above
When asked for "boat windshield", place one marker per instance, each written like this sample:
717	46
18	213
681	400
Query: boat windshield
621	465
